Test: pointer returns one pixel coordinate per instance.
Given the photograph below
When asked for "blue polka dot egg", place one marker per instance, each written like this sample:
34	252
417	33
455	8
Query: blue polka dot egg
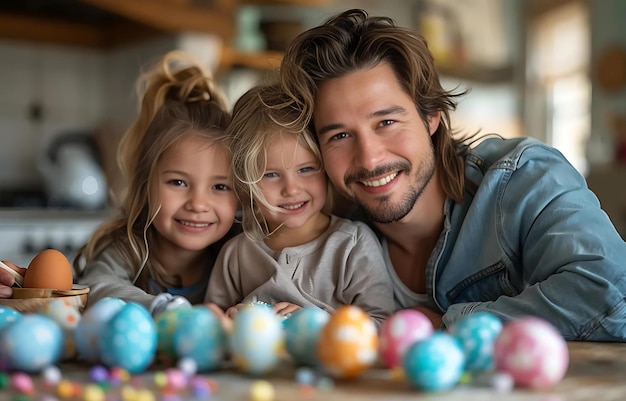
477	333
31	343
129	341
435	363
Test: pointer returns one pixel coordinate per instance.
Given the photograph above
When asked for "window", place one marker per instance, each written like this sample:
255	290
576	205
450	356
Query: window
558	107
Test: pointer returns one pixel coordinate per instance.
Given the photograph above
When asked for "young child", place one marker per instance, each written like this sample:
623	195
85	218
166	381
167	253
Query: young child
291	254
179	203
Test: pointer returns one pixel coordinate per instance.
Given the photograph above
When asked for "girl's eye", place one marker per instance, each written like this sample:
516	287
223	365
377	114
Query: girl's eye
177	183
270	175
308	169
221	187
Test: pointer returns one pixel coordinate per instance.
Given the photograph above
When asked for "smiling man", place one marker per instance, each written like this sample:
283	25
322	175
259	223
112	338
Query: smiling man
506	226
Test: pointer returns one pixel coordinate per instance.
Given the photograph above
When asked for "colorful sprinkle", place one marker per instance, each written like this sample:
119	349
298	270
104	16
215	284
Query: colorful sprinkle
262	390
22	383
99	374
65	389
188	366
93	392
51	375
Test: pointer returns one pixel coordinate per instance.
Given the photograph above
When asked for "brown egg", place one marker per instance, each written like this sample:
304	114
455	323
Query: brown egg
49	269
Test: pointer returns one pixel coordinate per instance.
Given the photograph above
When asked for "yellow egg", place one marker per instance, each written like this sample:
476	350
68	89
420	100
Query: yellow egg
348	343
49	269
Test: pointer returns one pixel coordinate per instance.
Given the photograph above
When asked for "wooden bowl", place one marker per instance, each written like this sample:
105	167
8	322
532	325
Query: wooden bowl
28	300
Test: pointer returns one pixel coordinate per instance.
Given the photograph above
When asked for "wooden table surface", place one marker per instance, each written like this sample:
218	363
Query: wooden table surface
597	371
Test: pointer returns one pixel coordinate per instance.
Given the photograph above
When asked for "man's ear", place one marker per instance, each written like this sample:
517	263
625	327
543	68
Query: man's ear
433	122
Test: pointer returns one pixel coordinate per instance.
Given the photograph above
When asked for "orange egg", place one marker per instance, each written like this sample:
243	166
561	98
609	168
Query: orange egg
49	269
348	343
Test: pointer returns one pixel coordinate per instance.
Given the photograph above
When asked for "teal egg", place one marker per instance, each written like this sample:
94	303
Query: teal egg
167	323
435	363
302	331
8	316
477	334
201	338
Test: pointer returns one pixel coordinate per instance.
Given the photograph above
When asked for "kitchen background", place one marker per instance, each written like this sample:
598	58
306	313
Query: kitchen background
555	70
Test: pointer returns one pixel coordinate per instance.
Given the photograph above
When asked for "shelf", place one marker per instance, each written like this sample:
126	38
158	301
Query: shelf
285	2
487	75
264	60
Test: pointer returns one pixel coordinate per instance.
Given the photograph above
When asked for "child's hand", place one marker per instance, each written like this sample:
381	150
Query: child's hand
8	278
225	321
232	311
285	308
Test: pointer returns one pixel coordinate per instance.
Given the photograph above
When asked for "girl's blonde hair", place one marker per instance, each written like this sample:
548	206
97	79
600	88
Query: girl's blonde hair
179	99
259	116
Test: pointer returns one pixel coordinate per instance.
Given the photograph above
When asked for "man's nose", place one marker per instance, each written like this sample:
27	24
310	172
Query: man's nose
369	151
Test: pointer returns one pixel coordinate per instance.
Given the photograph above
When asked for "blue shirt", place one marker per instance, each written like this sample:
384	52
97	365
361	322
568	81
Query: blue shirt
529	238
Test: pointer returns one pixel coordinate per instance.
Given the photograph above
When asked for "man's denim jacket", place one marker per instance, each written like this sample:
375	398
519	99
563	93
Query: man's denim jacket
530	239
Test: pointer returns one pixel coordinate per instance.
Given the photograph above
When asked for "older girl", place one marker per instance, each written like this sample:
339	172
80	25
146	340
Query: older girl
179	203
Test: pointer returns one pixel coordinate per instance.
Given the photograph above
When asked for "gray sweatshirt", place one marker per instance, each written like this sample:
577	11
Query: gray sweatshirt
343	266
108	276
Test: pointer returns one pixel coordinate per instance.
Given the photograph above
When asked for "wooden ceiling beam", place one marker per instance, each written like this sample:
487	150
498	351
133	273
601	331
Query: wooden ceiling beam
171	16
20	27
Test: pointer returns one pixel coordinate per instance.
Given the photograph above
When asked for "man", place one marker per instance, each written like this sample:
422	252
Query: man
506	226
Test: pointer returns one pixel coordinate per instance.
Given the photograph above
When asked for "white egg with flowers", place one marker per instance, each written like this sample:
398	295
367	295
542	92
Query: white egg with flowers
65	312
257	339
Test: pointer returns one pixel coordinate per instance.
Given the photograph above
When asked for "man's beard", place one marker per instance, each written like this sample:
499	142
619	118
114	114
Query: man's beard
380	211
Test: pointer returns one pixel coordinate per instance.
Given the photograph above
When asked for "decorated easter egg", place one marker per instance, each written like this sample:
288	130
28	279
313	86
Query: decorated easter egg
66	314
532	351
348	343
91	325
399	331
8	316
477	334
257	339
129	340
167	323
201	338
31	343
302	331
435	363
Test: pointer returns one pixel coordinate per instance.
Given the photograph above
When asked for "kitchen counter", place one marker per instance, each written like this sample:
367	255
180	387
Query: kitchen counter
597	371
